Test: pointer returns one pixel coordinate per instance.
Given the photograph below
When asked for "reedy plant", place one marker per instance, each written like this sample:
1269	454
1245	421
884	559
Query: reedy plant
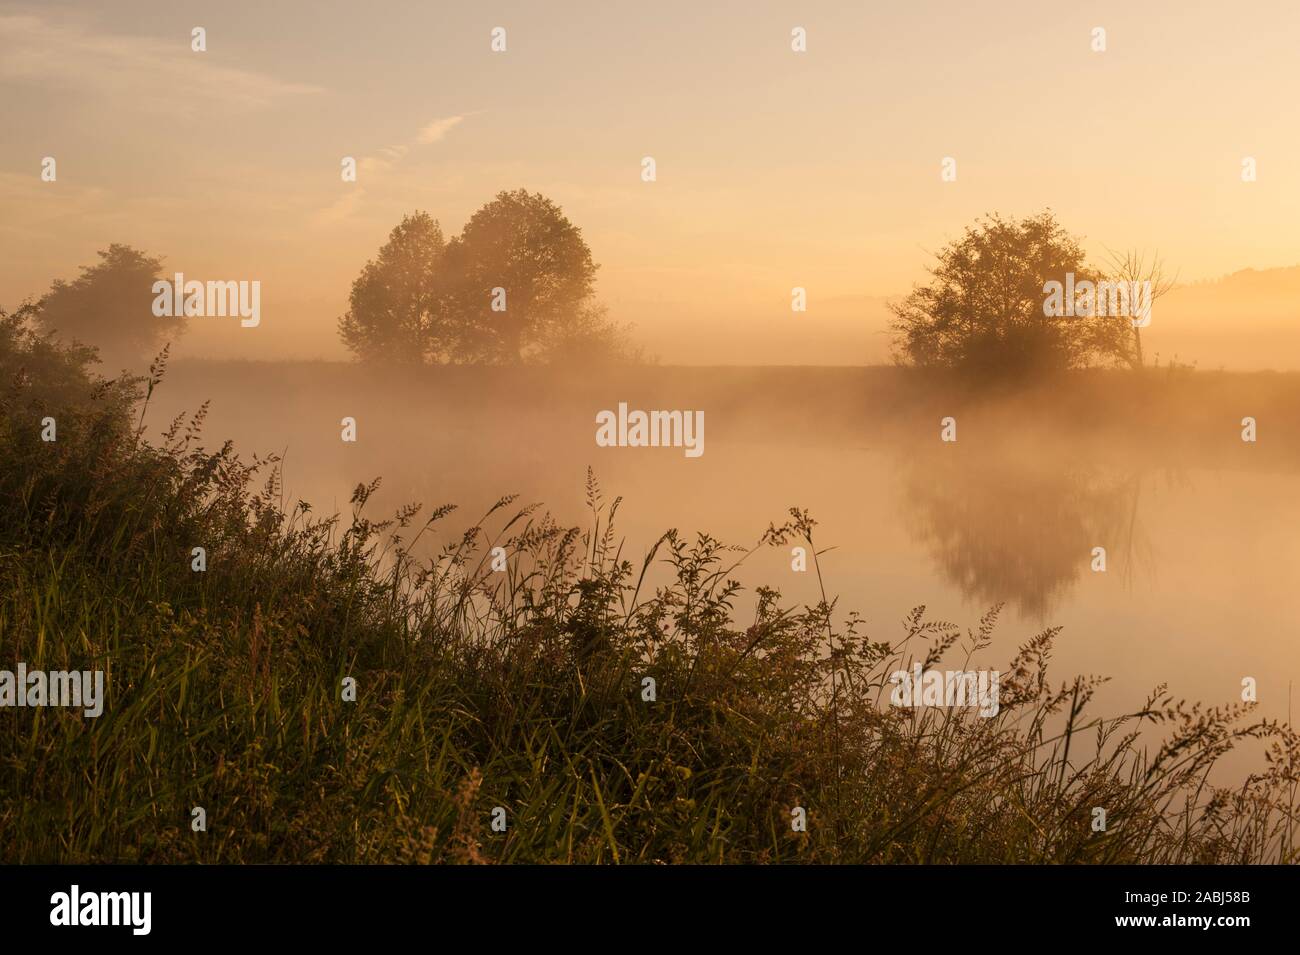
520	688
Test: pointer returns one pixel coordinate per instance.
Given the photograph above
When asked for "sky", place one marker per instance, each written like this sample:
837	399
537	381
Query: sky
775	169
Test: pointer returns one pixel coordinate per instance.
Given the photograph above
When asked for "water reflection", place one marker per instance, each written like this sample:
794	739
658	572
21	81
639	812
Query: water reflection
1004	529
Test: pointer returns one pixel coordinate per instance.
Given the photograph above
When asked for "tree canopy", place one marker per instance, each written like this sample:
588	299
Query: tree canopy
399	308
984	309
110	306
517	285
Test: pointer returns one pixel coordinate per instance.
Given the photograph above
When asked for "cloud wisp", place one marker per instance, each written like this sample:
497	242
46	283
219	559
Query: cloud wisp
152	73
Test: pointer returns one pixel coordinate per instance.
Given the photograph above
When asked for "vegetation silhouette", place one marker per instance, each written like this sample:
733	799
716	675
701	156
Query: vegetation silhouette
110	307
983	312
517	285
523	688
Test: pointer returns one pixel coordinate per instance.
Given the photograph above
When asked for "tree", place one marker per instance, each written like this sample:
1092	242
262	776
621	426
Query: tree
516	285
110	306
522	274
1133	266
398	306
985	311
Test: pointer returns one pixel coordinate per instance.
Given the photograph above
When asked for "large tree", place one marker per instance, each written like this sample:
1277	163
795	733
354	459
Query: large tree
398	307
517	285
984	311
523	273
110	306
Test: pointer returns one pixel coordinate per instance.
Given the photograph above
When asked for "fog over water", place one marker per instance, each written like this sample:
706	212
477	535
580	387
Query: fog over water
1200	588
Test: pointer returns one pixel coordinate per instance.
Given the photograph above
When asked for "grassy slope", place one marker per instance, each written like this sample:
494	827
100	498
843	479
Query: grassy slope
522	689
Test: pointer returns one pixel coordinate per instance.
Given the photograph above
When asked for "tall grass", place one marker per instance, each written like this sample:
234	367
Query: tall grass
522	689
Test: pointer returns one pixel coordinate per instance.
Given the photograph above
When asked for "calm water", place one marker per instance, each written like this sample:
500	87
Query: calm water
1201	587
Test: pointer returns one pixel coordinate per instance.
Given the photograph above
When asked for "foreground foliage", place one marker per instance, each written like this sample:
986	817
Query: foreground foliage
522	689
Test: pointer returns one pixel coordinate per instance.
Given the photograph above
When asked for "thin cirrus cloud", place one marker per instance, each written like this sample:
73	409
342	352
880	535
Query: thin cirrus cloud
383	161
386	158
390	156
150	72
436	130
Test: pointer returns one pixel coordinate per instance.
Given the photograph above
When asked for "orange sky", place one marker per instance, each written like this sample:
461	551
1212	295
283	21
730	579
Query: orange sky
775	169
